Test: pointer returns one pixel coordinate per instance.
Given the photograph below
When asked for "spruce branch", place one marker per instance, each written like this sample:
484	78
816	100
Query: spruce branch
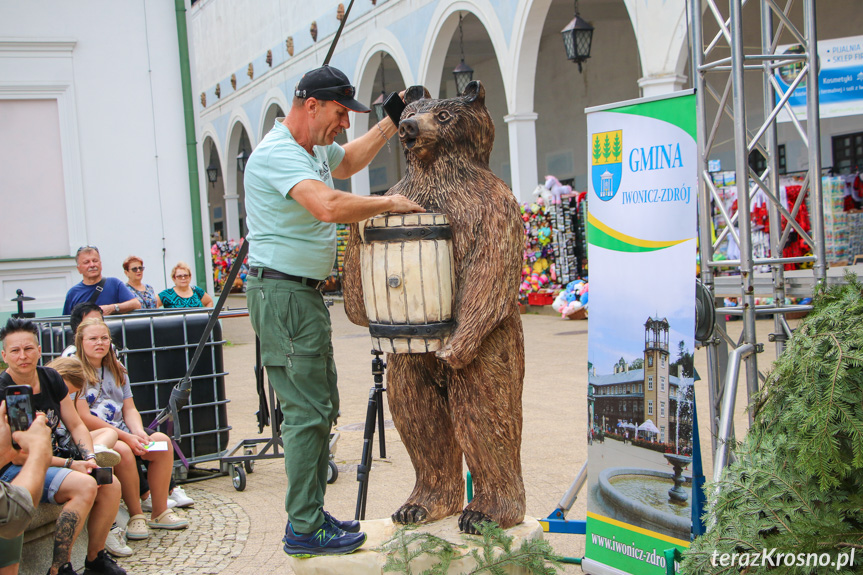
797	482
495	552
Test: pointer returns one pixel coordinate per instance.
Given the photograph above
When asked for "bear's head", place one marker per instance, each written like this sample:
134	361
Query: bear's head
458	127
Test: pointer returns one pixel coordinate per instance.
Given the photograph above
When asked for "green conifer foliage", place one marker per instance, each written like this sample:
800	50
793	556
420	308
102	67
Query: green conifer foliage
496	556
797	483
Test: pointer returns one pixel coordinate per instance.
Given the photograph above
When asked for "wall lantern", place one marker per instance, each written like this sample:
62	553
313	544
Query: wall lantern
242	158
462	73
577	37
378	105
212	172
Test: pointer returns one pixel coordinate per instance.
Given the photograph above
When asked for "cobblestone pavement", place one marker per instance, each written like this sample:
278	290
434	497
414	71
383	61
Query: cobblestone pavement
239	532
216	536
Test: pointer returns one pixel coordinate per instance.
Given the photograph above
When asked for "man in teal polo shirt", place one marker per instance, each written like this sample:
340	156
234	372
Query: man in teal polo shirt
292	210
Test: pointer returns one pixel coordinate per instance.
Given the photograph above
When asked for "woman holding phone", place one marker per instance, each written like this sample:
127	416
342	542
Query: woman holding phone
69	481
108	403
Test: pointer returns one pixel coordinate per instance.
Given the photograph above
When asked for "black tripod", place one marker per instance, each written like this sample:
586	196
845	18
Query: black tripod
375	410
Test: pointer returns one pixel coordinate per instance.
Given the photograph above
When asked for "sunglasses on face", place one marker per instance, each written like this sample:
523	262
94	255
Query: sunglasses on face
137	269
87	249
182	276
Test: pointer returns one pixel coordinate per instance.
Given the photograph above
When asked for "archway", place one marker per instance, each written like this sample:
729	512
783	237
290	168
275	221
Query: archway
389	165
239	145
215	190
479	54
273	112
561	93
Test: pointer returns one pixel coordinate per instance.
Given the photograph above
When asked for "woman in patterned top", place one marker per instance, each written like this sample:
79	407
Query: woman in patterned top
133	267
108	403
183	294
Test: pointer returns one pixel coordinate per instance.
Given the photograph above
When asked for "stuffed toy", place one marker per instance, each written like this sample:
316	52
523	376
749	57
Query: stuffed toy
544	195
556	188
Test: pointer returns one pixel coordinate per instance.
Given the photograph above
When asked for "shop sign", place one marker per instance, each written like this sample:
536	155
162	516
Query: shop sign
642	248
840	79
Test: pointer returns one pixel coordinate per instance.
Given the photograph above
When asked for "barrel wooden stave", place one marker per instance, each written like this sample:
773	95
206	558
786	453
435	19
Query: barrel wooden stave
407	282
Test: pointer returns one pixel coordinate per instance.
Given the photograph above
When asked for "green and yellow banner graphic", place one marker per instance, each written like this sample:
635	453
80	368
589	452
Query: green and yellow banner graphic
641	252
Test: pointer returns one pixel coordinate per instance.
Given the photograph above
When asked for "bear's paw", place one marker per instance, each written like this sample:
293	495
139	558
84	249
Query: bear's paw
410	514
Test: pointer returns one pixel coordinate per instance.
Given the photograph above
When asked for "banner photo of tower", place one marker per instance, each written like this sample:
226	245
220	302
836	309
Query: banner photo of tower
642	249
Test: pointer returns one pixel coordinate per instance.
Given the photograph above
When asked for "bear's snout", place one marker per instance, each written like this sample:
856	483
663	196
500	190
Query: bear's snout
409	130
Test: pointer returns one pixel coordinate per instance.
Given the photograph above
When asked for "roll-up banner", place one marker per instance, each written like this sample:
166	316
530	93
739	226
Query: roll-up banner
643	184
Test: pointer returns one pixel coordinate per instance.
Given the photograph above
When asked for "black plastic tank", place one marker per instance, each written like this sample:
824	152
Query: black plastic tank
156	348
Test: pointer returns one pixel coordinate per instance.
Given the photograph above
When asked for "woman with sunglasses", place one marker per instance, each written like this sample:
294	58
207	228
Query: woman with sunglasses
133	267
183	294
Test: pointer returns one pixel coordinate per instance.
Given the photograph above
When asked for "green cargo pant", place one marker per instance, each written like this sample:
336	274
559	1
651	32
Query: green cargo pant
294	327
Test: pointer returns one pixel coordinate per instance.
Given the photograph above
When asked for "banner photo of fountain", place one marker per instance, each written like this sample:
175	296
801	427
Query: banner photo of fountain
642	248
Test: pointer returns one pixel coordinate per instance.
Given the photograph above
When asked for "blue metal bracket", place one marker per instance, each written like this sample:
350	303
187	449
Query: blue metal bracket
558	523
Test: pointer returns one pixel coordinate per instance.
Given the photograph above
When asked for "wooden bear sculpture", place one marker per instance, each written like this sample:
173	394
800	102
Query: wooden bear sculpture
466	398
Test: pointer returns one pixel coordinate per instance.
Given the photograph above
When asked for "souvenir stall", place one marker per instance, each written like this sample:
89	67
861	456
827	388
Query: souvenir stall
223	255
843	218
333	285
555	254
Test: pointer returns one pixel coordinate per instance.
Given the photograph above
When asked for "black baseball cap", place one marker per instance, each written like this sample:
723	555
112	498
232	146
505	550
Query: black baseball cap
328	83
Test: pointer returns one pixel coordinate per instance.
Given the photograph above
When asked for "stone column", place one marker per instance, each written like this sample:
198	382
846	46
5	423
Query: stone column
360	182
232	216
660	32
661	84
522	154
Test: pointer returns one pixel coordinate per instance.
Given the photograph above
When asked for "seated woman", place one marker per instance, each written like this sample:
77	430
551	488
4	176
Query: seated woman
133	267
68	481
72	372
182	294
108	403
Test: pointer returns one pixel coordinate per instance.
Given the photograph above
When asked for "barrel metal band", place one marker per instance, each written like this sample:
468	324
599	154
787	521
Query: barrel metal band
408	233
430	330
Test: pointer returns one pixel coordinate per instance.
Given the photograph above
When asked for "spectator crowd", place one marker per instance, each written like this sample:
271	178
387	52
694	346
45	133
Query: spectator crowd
87	449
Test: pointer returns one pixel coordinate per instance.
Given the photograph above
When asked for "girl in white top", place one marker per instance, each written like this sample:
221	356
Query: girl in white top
108	402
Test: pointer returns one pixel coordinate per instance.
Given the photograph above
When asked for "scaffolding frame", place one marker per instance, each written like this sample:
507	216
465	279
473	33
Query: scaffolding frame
719	79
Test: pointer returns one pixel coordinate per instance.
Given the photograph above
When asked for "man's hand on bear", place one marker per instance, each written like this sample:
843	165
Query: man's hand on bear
448	356
401	204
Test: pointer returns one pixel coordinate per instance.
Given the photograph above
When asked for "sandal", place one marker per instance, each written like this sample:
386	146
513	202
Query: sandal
168	520
137	527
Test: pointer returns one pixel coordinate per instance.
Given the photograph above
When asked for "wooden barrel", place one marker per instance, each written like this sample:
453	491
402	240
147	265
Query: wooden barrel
408	281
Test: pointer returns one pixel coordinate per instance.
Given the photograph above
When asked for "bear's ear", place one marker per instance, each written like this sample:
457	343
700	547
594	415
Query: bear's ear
474	93
415	93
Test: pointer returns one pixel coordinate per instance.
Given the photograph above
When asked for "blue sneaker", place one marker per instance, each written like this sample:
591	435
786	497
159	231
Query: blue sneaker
326	540
351	526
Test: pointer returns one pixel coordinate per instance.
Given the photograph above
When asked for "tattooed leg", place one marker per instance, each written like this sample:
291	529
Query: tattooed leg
69	525
76	494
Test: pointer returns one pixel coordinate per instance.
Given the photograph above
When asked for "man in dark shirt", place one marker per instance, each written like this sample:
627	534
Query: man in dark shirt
114	296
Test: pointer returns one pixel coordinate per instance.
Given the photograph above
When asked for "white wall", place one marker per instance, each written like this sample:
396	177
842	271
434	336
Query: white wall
113	68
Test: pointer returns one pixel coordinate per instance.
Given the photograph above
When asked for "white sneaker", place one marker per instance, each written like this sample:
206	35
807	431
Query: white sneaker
147	504
105	456
180	498
115	544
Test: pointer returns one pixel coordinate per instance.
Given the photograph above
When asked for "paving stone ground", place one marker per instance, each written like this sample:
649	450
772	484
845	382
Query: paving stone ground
239	533
216	537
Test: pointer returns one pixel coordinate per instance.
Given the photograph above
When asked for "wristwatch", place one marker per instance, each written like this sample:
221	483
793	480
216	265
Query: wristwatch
116	308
